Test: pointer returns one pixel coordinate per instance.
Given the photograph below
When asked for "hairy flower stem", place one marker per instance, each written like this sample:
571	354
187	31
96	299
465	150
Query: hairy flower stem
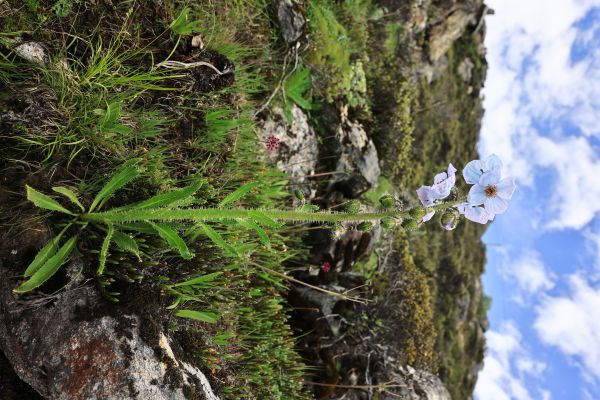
217	214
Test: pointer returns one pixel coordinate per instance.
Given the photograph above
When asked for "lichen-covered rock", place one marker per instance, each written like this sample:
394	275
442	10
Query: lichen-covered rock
358	163
66	349
293	147
291	20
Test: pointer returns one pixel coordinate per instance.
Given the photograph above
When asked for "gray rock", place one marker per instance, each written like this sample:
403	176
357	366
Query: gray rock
59	346
465	69
291	20
443	35
298	146
358	164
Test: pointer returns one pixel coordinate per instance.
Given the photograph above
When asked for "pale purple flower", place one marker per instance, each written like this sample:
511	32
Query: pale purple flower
474	169
475	213
492	192
442	185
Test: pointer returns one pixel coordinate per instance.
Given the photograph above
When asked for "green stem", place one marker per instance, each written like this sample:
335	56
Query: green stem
217	214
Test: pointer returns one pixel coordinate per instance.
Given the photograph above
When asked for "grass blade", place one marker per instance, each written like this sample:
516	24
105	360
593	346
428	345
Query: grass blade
166	199
126	174
204	316
238	193
104	249
70	195
262	235
49	268
43	201
127	243
173	239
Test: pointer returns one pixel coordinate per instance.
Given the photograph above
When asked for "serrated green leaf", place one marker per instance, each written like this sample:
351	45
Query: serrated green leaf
49	268
218	239
204	316
262	235
201	279
173	239
127	243
166	199
264	219
104	249
44	254
43	201
238	193
68	193
126	174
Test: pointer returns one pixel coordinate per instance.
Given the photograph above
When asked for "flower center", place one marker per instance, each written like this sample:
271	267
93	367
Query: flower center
491	191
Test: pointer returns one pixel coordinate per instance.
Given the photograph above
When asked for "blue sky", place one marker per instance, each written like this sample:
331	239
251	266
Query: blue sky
542	101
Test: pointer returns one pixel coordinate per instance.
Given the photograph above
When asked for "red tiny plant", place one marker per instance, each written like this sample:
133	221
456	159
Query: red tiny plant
272	143
326	267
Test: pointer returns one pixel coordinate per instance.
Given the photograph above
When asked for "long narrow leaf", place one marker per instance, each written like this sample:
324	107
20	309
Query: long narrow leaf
262	235
166	199
127	243
49	268
44	254
126	174
203	316
46	202
264	219
218	239
173	239
104	249
238	193
199	280
68	193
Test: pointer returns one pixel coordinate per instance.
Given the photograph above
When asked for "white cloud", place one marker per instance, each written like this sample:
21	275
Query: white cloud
572	324
507	366
530	274
542	108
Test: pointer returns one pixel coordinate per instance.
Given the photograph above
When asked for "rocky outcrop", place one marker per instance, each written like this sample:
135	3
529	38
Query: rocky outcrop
65	347
292	146
291	20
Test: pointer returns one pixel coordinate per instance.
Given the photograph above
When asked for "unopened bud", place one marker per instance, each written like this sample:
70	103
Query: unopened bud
449	220
387	201
299	194
337	232
353	206
409	224
388	223
364	226
417	212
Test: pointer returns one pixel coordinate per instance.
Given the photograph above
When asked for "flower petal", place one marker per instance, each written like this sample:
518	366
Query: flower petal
426	195
493	162
490	178
506	188
495	205
478	214
440	177
476	195
428	216
473	171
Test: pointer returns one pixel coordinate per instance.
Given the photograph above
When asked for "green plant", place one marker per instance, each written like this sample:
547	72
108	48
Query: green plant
294	88
63	8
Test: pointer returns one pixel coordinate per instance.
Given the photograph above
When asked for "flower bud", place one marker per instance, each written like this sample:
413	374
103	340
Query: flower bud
409	224
388	223
353	206
337	232
387	201
417	212
449	220
364	226
299	194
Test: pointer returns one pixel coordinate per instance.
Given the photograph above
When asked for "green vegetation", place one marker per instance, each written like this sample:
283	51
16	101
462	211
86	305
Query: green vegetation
167	96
